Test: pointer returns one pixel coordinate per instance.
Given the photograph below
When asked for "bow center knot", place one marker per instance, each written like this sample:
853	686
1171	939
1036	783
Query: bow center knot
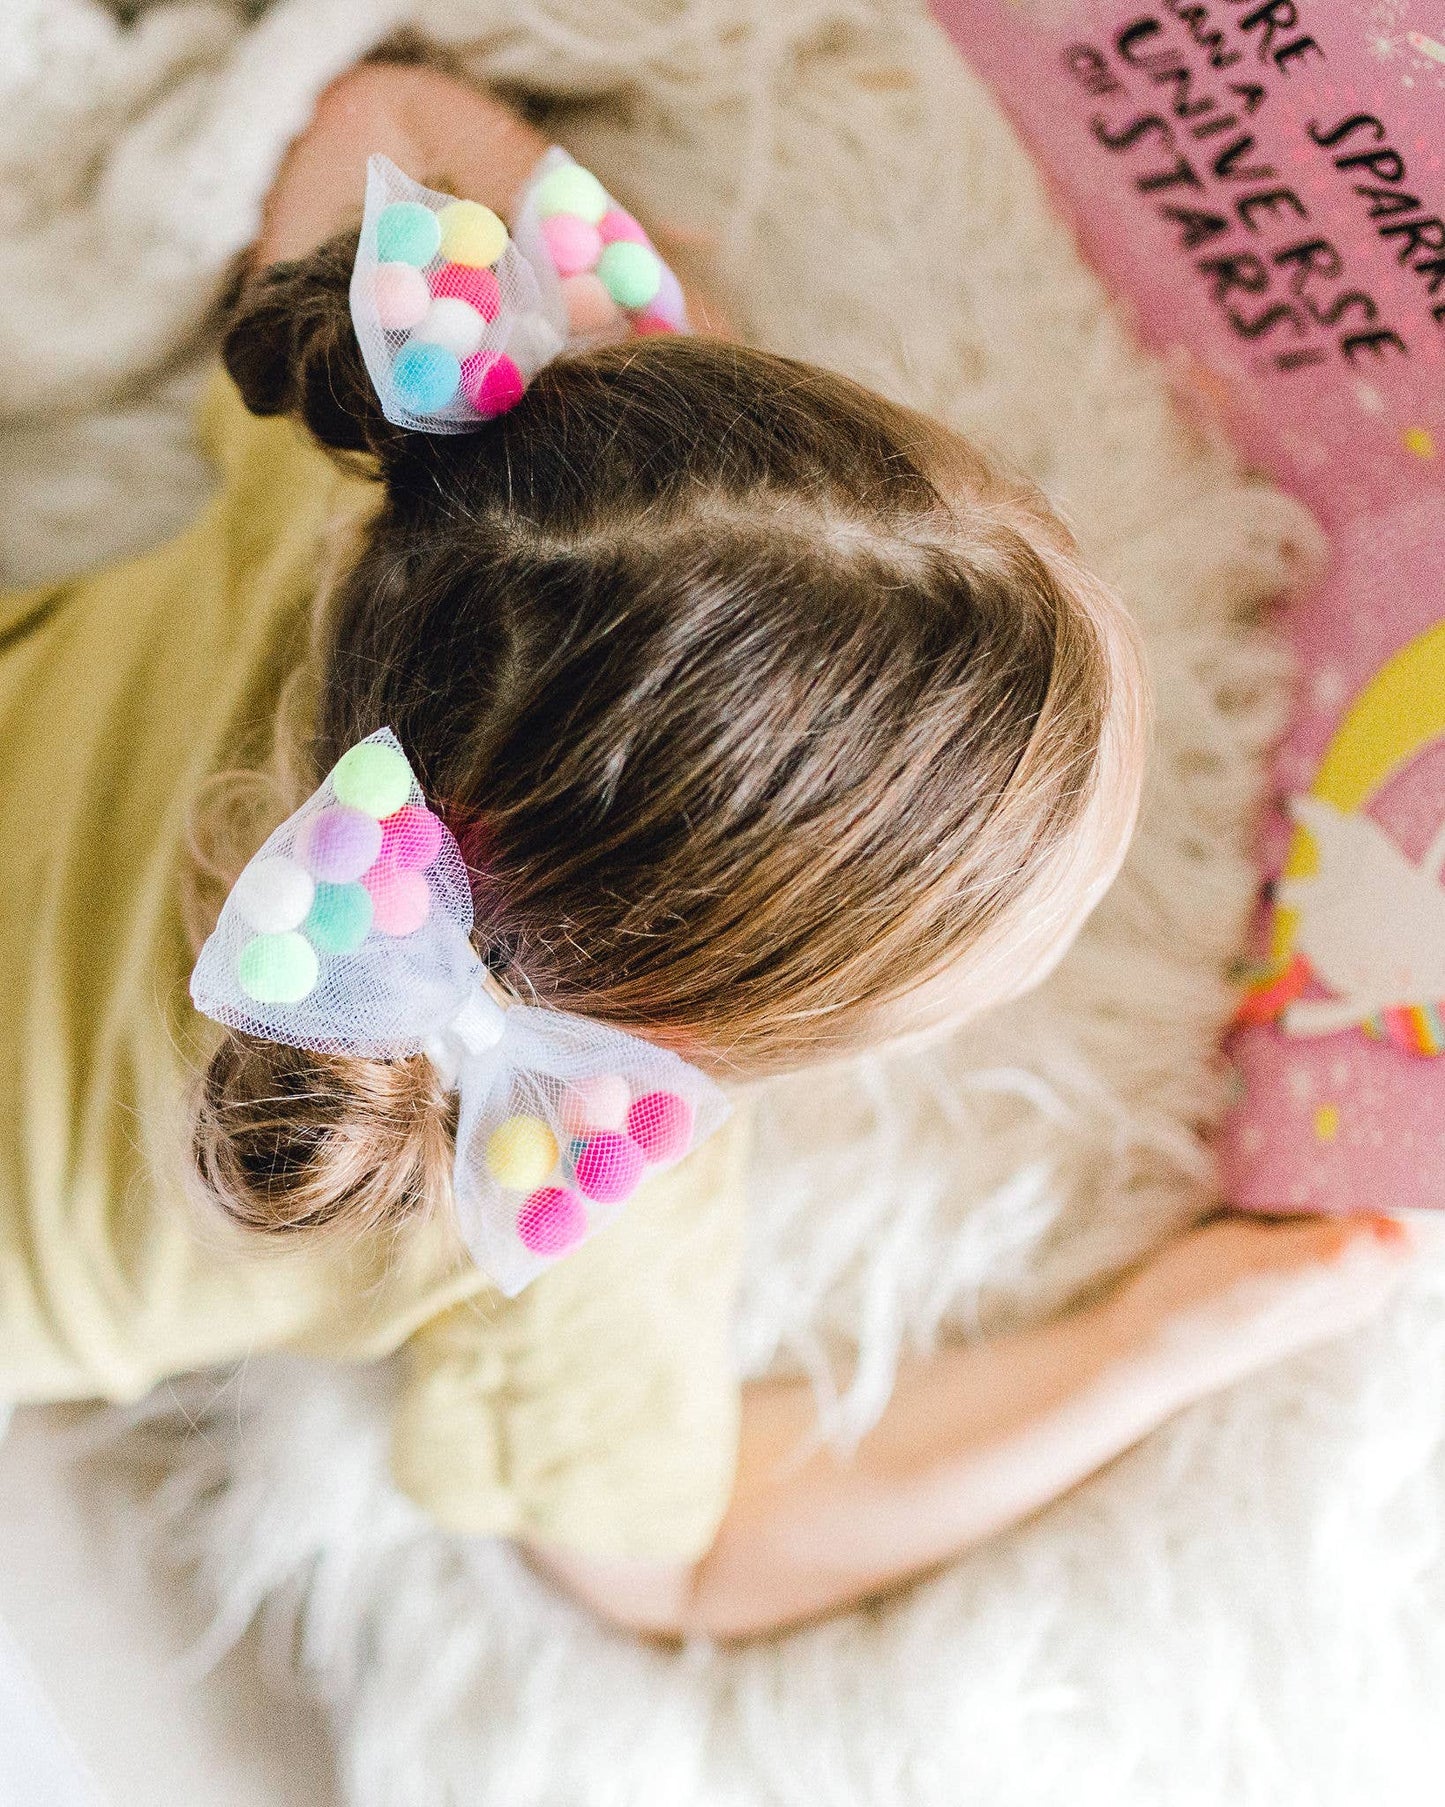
477	1026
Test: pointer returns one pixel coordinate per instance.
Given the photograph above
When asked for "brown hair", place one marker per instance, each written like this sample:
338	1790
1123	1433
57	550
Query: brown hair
752	698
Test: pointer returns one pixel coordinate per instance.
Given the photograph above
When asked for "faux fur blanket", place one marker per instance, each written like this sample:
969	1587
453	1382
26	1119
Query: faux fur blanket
1248	1609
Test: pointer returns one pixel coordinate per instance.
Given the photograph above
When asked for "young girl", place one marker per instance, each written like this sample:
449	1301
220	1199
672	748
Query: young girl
773	722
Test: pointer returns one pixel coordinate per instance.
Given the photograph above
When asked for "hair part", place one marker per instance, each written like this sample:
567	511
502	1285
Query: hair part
753	699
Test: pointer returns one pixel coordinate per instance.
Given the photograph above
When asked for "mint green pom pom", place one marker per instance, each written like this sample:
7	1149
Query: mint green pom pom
340	918
571	189
631	274
407	233
277	969
373	778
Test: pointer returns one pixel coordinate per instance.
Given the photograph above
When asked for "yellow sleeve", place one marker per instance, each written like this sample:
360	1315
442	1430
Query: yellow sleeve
599	1409
19	609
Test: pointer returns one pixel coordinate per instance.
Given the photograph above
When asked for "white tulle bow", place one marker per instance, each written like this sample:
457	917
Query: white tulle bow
455	315
349	933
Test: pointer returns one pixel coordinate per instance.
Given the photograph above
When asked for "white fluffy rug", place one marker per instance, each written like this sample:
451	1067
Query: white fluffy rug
1248	1609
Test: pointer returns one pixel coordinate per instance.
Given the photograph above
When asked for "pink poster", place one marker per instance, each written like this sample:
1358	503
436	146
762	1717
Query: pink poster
1263	186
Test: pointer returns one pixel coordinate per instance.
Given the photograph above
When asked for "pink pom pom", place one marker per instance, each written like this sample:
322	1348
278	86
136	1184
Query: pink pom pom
617	224
573	244
647	326
600	1102
552	1221
660	1123
338	844
400	901
492	383
402	297
608	1167
590	309
464	282
669	303
411	838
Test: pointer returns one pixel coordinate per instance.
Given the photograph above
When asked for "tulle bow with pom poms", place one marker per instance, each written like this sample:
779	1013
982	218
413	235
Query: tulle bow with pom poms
349	932
455	315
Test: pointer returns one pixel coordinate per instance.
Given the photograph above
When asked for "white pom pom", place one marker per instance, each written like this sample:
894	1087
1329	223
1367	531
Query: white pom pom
452	323
273	895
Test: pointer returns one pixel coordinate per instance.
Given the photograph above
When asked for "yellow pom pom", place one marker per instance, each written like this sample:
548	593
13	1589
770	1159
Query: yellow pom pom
521	1153
471	234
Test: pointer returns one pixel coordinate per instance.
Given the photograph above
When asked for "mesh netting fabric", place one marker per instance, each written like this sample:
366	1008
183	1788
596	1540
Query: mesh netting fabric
349	932
596	267
448	312
455	316
559	1132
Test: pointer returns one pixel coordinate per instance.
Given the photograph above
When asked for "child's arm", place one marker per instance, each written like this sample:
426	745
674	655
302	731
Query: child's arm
977	1437
440	130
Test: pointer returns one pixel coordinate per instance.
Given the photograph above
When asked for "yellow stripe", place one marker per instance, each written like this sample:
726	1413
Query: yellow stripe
1399	712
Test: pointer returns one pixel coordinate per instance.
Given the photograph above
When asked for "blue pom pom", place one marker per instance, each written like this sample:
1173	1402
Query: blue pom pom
427	377
407	233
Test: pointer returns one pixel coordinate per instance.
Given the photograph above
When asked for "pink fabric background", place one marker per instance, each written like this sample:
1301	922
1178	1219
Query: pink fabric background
1127	106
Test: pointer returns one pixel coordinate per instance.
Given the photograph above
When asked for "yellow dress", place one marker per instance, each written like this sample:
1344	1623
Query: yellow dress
596	1410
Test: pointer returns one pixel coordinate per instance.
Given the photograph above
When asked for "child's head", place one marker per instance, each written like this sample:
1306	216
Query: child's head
773	719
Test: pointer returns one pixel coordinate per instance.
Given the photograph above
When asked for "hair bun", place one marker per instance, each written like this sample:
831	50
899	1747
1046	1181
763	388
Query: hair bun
291	348
288	1141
